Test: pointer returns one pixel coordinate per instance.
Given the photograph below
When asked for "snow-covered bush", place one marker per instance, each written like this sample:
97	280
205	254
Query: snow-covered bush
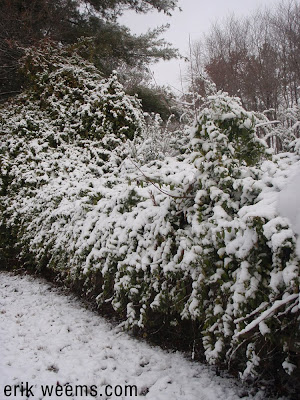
247	251
73	94
195	241
283	134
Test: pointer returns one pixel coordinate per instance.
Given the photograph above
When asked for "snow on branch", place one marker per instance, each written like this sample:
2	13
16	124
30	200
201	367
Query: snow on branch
266	314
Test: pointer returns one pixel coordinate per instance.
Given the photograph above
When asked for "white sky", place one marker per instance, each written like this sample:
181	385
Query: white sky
196	18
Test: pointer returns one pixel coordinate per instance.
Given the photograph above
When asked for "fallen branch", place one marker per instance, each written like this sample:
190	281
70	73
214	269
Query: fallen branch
266	314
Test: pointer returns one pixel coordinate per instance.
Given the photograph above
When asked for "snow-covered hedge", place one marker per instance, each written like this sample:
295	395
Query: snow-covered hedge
197	239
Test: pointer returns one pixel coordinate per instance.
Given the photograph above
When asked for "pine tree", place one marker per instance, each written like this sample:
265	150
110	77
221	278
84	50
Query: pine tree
25	22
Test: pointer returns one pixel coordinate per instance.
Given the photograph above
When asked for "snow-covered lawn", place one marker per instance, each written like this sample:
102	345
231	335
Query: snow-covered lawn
50	338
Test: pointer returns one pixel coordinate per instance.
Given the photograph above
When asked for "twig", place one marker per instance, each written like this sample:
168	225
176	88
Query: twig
158	188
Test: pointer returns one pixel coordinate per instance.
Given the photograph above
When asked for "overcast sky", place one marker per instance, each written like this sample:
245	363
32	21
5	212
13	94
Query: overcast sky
196	18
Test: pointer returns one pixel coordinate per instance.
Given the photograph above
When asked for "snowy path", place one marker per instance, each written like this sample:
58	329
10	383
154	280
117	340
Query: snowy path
47	337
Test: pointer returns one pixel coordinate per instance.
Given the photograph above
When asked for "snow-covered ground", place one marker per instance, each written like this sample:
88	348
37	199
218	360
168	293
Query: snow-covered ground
50	338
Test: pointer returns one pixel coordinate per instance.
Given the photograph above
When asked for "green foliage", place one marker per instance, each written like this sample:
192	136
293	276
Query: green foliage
155	100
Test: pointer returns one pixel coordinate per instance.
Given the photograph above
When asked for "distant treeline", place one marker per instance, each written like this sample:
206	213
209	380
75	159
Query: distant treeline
256	58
